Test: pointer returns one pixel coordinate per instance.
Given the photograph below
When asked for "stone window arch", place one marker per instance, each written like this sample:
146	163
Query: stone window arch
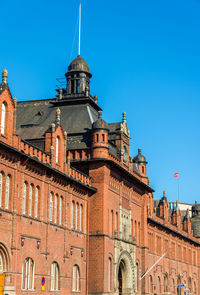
4	259
75	278
54	276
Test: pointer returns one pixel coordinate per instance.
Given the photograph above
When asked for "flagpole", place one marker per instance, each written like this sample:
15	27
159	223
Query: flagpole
178	189
79	42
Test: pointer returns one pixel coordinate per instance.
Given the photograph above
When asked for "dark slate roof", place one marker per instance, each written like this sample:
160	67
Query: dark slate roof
74	118
113	127
2	87
32	132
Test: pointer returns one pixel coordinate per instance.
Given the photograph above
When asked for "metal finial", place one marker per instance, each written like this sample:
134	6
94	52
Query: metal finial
148	181
124	117
4	76
100	114
139	151
164	193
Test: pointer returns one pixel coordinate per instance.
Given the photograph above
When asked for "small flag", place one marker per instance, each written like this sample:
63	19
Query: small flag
176	174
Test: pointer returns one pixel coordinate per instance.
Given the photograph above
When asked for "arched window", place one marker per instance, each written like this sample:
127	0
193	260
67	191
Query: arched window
51	207
57	149
60	209
24	198
3	118
195	288
36	201
76	279
150	285
28	274
7	192
159	285
72	215
30	199
76	223
55	208
54	277
109	274
190	284
81	217
1	187
166	283
137	276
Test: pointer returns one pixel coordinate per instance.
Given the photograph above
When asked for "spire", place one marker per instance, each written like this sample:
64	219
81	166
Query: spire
124	117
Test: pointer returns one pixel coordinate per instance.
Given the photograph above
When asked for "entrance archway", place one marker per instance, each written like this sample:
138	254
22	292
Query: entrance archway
125	275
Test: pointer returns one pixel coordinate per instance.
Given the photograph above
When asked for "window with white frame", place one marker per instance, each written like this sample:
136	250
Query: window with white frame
7	192
54	277
1	187
30	199
51	207
76	279
57	149
36	201
28	274
60	210
24	198
55	208
3	118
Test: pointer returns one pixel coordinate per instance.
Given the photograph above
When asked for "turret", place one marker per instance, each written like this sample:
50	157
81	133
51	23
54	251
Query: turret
141	162
100	138
195	221
163	207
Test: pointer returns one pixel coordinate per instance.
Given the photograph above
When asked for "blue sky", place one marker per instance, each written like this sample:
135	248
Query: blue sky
145	60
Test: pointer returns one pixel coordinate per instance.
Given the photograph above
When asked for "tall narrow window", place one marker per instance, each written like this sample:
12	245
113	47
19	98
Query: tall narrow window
78	86
7	192
28	274
109	274
57	149
3	118
81	217
60	210
24	198
76	223
36	201
111	223
76	279
54	277
1	264
30	199
72	215
51	207
1	187
55	208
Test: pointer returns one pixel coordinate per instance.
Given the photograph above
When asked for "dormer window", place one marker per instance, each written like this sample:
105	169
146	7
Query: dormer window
3	118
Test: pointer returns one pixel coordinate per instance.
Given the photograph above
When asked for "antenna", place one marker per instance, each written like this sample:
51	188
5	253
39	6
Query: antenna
79	43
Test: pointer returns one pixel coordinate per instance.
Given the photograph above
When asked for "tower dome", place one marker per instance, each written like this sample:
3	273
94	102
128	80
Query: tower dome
140	159
78	77
79	65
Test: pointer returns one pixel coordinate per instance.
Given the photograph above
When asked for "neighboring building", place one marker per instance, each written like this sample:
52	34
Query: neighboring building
77	211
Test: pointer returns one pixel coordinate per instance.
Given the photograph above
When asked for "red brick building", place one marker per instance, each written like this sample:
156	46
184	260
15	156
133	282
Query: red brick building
77	211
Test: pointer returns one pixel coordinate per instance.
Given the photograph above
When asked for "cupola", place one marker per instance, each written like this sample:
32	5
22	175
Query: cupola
78	77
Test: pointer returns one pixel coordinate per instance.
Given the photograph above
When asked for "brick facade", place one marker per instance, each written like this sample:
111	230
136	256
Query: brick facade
77	210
